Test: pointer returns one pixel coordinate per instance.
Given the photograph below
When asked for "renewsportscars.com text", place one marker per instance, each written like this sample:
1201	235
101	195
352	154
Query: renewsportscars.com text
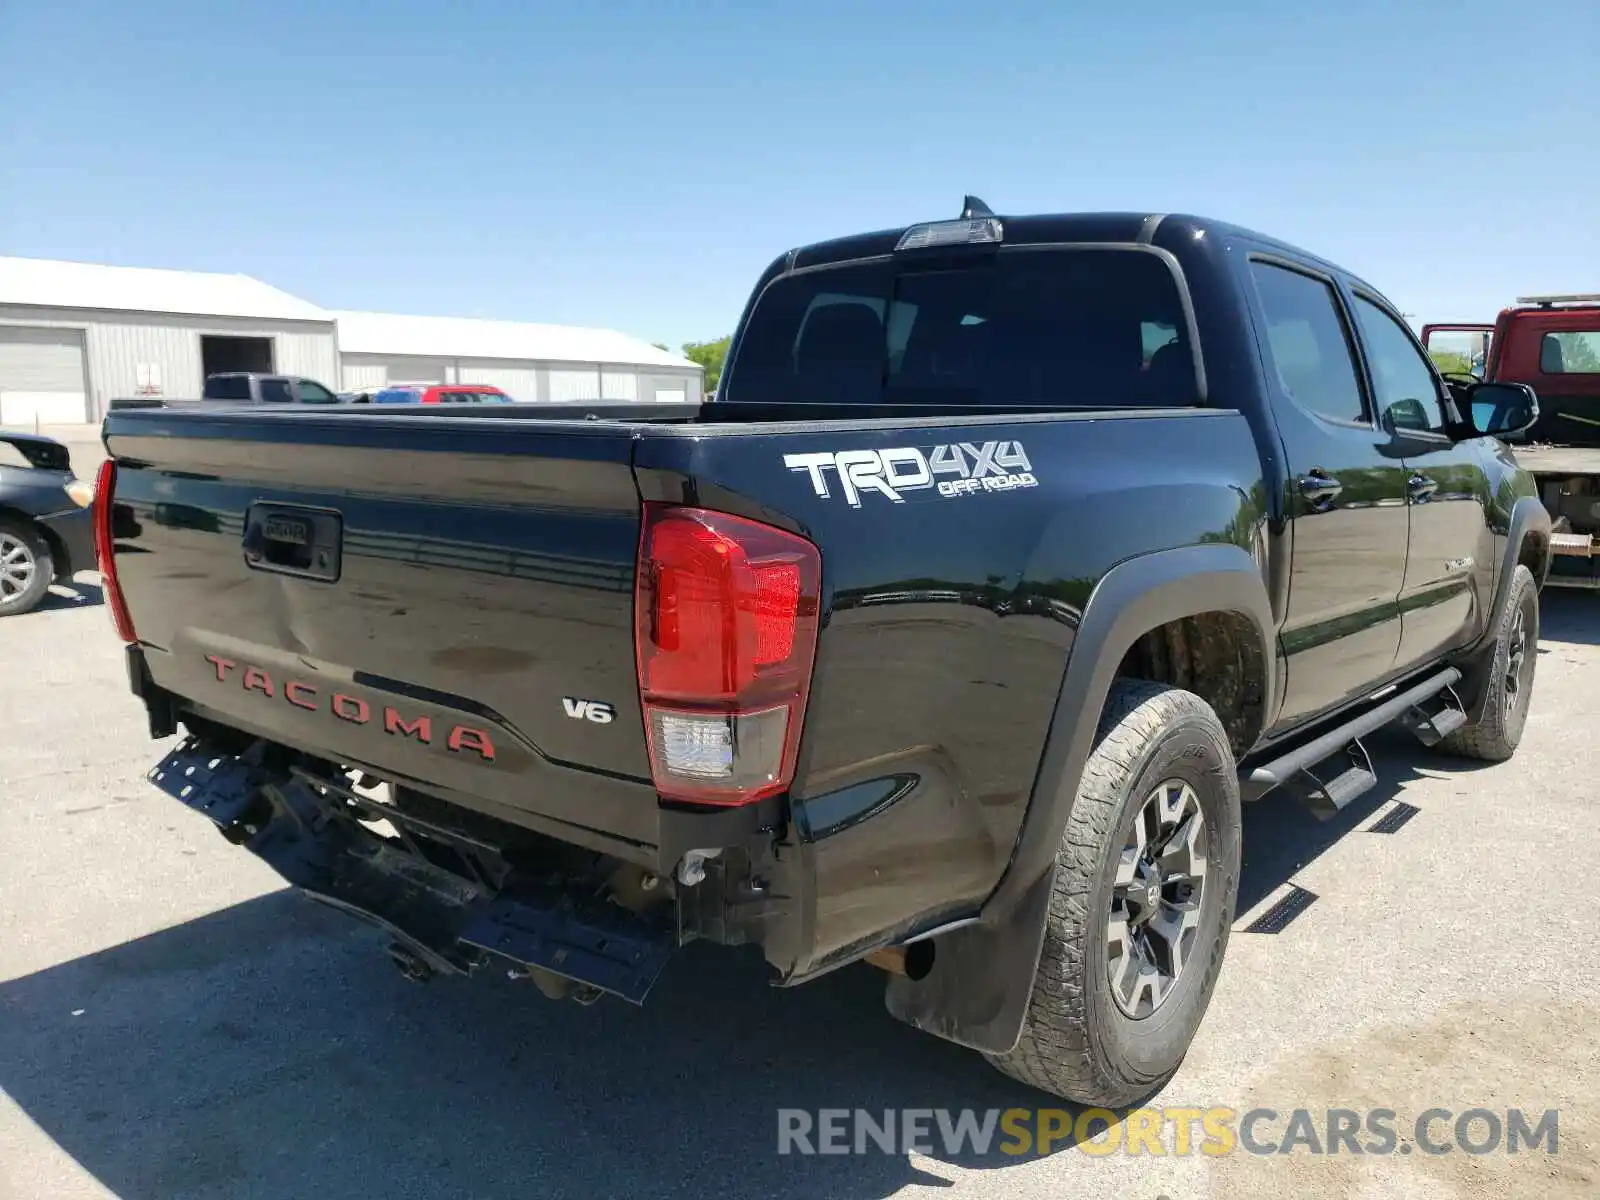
1161	1132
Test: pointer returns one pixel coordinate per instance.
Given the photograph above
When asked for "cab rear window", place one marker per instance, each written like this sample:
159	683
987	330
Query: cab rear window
1570	352
1069	328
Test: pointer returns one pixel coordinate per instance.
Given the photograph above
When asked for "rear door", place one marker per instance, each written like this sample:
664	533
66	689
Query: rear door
1451	558
1347	495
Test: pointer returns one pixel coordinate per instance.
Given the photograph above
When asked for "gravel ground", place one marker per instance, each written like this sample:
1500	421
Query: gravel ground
173	1024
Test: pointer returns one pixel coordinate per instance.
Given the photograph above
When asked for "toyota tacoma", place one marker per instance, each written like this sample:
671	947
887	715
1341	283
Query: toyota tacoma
1010	557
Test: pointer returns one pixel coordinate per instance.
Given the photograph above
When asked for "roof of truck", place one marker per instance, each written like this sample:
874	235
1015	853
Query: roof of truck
1124	227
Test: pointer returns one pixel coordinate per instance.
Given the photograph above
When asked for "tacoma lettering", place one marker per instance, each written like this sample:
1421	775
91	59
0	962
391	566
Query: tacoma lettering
459	739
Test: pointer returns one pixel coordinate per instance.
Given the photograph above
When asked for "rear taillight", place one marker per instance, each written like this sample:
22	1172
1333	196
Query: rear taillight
725	613
104	485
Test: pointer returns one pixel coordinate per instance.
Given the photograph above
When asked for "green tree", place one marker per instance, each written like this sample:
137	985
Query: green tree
1578	353
1450	362
711	356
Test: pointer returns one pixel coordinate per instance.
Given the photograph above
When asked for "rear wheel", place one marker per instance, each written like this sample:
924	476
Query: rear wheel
1513	658
25	567
1146	880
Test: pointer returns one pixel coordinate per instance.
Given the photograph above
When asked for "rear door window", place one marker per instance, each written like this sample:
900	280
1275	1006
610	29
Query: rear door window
1076	328
1309	344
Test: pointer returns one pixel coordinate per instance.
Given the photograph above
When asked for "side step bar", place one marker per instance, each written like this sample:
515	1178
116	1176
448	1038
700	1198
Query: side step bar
1358	776
1326	793
1431	728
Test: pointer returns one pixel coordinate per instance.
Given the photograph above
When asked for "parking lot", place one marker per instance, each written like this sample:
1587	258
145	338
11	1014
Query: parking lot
173	1024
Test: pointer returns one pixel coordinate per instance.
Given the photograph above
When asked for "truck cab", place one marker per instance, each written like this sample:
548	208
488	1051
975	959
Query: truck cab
247	387
1552	344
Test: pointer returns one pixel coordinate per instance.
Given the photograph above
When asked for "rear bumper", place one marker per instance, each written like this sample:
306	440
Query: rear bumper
451	903
751	889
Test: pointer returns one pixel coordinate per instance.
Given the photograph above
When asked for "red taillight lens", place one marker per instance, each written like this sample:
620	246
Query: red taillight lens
725	615
105	485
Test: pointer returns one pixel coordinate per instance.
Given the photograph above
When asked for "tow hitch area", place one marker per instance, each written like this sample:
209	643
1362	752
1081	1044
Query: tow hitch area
452	902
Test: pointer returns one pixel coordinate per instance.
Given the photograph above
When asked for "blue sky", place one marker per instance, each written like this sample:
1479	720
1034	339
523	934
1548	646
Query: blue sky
635	165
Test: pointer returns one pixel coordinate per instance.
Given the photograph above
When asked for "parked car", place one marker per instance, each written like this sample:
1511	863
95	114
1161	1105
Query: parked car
240	387
46	529
1011	556
433	393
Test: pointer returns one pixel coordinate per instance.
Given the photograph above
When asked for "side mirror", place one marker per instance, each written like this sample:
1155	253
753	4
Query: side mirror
1501	409
1407	415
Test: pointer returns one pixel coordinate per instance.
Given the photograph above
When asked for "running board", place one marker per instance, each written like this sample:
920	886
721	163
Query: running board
1262	779
1432	727
1325	790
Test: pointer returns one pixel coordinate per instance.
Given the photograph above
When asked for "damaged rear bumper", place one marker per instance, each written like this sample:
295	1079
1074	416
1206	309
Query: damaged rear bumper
451	903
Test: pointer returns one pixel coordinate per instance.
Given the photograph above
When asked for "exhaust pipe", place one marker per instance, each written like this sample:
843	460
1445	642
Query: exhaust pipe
913	961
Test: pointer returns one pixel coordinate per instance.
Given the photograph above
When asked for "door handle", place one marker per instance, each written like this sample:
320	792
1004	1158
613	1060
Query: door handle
1421	487
1320	488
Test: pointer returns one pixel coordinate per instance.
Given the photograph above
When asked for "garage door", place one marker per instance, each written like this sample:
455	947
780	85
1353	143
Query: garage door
41	376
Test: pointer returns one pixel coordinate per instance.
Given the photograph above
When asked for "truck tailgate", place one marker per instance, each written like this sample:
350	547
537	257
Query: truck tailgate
445	602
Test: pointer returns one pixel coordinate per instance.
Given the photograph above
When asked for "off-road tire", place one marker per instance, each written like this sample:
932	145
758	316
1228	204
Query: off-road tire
1494	737
1076	1042
44	570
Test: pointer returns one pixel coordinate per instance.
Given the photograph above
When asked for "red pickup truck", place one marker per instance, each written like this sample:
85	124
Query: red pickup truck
1551	343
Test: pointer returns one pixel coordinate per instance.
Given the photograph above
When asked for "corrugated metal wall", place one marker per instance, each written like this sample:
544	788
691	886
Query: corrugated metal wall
520	381
403	369
362	371
618	384
123	349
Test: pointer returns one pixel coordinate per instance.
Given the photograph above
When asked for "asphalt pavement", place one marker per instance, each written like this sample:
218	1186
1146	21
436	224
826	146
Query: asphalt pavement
175	1025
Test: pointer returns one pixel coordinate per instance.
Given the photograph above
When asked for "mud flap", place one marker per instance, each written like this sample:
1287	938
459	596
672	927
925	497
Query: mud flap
314	833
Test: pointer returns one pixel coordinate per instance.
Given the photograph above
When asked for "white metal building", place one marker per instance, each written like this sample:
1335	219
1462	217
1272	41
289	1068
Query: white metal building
73	335
528	362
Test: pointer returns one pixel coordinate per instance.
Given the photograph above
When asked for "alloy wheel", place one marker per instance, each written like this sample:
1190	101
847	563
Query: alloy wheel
1517	660
17	567
1156	899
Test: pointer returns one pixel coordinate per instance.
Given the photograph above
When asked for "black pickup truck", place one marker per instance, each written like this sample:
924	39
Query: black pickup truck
1010	557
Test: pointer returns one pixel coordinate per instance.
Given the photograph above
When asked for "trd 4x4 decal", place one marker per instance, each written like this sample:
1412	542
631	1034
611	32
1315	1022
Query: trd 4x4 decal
956	469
